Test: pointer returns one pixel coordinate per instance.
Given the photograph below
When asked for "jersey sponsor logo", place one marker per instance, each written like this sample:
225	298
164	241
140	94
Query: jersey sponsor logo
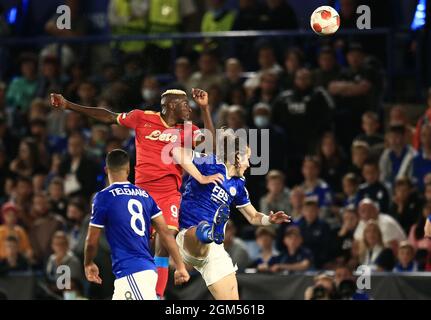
165	137
218	194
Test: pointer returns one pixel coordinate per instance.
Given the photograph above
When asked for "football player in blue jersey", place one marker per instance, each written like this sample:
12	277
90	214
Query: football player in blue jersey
204	211
126	213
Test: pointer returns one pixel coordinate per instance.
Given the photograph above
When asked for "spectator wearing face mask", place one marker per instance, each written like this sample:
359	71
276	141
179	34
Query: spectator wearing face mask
277	136
150	92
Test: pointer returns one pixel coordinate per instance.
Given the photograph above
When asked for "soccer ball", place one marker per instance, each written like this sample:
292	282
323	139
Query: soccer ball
325	20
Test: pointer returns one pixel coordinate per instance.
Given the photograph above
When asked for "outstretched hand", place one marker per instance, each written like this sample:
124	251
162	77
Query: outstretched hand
279	217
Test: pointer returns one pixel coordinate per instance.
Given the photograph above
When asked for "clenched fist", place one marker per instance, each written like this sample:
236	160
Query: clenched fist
58	101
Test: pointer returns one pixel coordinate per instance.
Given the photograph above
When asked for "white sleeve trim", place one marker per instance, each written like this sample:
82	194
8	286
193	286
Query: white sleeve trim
96	225
157	214
243	205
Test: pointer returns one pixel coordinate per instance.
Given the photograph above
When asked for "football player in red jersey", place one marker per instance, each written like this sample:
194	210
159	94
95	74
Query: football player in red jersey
156	134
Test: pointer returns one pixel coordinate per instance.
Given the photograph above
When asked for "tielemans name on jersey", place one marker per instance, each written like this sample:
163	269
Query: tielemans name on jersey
128	192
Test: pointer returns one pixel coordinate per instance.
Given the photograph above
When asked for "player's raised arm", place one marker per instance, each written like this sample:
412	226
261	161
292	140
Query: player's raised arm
257	218
100	114
201	98
90	252
184	157
168	240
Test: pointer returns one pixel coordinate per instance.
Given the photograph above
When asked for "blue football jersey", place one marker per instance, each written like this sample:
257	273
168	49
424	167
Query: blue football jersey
200	202
125	211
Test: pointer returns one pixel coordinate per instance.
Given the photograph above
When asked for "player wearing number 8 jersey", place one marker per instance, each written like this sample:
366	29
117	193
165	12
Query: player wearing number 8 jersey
126	212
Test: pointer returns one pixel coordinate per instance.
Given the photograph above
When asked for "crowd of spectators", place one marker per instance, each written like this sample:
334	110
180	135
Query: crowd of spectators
356	181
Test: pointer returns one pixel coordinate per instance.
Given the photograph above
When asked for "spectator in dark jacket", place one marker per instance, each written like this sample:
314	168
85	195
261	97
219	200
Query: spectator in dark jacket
316	232
304	112
78	171
406	205
373	188
296	256
14	261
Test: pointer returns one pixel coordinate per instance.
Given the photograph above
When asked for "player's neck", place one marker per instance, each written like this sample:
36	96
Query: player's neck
231	170
169	118
117	178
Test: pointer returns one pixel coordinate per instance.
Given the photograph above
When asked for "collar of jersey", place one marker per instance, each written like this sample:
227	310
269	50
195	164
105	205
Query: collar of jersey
125	182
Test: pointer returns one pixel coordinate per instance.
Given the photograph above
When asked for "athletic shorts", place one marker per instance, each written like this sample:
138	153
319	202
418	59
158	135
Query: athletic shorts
165	193
217	264
136	286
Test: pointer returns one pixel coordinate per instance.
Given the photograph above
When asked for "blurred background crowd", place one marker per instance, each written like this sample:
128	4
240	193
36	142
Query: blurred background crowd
349	121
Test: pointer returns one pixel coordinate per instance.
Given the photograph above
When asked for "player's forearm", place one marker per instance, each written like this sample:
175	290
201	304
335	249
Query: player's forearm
183	157
299	266
98	114
90	253
169	242
209	126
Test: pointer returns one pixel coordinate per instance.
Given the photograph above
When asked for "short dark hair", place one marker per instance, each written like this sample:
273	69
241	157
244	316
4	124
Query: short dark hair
116	159
397	129
371	163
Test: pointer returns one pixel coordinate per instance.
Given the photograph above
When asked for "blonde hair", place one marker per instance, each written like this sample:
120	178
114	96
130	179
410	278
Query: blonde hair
363	245
176	92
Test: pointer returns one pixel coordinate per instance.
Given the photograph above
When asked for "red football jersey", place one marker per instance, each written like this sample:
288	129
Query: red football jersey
154	141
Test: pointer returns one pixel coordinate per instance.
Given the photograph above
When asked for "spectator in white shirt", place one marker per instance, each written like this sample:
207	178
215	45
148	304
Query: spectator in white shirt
392	233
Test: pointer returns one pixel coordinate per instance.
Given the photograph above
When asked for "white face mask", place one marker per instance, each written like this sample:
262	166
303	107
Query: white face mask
261	121
148	94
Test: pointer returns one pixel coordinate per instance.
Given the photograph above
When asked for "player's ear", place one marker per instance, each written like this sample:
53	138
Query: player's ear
106	170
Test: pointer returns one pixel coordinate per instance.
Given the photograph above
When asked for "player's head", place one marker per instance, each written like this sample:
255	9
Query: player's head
117	165
234	151
175	102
